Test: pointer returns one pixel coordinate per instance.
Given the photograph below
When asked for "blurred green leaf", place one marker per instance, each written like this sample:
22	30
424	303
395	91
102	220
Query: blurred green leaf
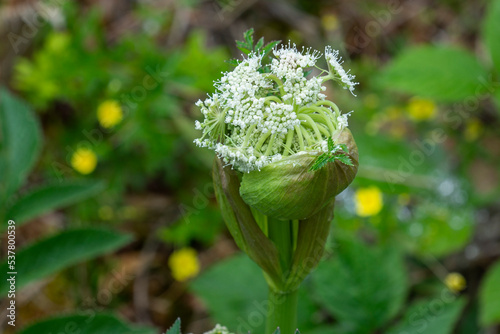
200	66
469	320
363	287
439	230
55	253
85	324
397	166
496	99
491	32
438	72
202	225
20	145
434	316
65	57
51	197
176	327
235	293
231	290
489	297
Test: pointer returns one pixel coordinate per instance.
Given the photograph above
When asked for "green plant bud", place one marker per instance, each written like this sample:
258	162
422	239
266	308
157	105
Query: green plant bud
288	189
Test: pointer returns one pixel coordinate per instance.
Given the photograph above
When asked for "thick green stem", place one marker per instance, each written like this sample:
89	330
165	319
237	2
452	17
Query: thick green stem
281	234
282	312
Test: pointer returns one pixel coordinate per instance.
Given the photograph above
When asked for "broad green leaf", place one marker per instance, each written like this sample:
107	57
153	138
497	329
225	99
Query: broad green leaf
469	320
491	32
433	316
235	294
397	166
489	297
438	72
496	99
362	287
55	253
176	327
197	67
232	290
20	142
202	225
86	323
438	230
51	197
322	329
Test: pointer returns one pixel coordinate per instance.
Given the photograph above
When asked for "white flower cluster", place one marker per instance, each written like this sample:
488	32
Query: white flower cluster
335	63
240	92
281	118
219	330
342	120
289	66
257	116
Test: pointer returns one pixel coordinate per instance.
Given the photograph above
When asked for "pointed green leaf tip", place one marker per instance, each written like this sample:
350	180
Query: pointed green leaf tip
247	46
286	189
176	327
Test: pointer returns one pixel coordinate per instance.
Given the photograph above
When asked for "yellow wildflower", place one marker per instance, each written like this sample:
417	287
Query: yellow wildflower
184	264
369	201
330	22
455	282
473	129
109	113
84	161
421	109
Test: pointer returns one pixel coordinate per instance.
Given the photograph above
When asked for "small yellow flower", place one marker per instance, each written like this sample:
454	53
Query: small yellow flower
330	22
473	129
369	201
84	161
421	109
184	264
109	113
455	282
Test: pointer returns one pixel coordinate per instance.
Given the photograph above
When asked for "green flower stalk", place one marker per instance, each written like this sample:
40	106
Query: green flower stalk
283	153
